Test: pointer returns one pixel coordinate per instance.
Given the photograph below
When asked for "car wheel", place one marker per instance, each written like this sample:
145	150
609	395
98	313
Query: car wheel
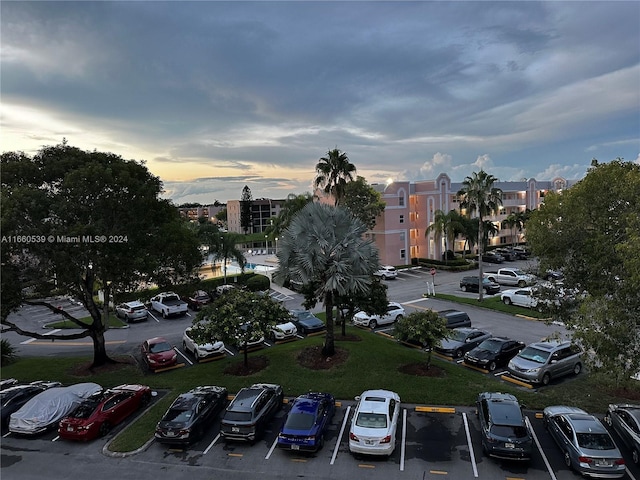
522	284
164	314
373	324
105	428
635	456
458	353
492	366
567	460
398	318
506	300
577	369
546	378
465	288
321	442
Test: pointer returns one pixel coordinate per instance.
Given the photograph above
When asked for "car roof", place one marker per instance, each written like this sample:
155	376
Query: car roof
133	303
504	408
549	345
156	340
585	423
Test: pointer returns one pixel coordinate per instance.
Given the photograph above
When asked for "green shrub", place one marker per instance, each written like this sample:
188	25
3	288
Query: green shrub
8	352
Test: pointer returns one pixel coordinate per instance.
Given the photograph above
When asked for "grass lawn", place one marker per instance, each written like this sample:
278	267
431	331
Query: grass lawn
373	362
493	303
114	322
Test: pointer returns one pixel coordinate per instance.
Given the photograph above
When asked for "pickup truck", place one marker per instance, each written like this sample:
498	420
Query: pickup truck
510	276
169	303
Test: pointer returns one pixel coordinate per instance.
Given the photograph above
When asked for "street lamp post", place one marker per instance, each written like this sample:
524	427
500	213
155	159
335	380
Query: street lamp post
266	244
276	245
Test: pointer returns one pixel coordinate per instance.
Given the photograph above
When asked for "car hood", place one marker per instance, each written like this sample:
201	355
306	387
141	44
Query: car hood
311	322
524	364
285	327
160	356
449	344
481	354
217	345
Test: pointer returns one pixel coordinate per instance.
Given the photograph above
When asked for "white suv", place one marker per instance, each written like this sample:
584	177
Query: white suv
132	311
387	272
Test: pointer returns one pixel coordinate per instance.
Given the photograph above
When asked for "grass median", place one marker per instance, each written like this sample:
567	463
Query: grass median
373	362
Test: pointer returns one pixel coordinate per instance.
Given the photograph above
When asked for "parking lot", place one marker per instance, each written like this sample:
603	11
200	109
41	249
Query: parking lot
432	442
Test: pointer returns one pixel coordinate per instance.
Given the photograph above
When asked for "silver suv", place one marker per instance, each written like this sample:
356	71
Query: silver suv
542	361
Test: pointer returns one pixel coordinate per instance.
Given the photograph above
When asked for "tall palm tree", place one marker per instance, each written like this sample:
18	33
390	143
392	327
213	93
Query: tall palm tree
445	225
478	195
333	172
223	246
324	246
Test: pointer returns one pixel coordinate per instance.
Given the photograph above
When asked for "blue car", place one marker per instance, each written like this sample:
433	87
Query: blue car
306	322
307	422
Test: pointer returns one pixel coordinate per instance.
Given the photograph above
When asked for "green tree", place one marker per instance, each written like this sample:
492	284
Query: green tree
292	205
324	246
363	201
333	172
516	221
100	222
425	328
222	246
246	218
237	317
445	226
591	232
478	195
374	301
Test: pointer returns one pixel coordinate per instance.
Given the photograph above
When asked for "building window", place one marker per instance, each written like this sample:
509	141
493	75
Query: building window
403	253
401	218
403	236
401	199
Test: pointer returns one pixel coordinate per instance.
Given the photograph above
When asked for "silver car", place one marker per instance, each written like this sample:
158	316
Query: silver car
542	361
132	311
625	421
586	445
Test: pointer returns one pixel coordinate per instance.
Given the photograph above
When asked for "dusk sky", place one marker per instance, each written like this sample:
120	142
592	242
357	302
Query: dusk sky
218	95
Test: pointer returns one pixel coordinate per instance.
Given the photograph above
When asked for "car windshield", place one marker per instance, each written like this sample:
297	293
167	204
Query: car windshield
85	410
159	347
459	336
491	345
595	441
178	415
535	355
517	271
232	416
371	420
300	421
137	308
509	431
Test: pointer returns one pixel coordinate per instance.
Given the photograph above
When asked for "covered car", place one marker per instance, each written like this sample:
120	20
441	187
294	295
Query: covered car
46	409
13	398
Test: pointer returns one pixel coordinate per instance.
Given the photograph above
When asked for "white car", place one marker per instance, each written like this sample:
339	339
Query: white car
201	350
132	311
387	272
283	331
374	423
523	297
394	312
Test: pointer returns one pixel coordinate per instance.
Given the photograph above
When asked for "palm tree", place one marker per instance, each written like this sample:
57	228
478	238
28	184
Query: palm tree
333	172
478	195
445	225
324	247
223	246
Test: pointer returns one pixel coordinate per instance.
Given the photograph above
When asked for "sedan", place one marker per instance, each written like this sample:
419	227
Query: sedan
198	299
190	415
625	421
461	341
158	353
283	331
493	352
201	350
471	284
394	312
306	322
12	398
98	414
585	443
492	257
46	409
374	423
307	422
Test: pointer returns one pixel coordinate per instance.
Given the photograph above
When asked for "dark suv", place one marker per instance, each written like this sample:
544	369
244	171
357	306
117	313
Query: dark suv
471	284
455	318
505	433
248	414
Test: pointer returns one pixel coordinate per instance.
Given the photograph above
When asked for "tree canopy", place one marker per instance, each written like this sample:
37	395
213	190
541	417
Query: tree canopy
246	216
362	201
423	328
74	222
590	232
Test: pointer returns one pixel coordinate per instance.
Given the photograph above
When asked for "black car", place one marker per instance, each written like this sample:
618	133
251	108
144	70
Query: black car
13	398
504	431
455	318
306	322
472	283
198	299
462	340
248	415
190	415
493	352
492	257
507	253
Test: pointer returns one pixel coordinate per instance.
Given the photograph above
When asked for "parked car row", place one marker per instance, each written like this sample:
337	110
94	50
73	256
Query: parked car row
82	411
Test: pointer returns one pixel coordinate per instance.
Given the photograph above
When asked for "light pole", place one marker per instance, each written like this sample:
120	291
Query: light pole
276	245
266	245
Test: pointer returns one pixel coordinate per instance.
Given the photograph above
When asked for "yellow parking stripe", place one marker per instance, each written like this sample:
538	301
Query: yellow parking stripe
438	472
364	465
507	378
424	408
235	455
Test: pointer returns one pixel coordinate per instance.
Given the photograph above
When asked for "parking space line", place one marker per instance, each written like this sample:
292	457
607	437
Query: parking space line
210	446
510	379
544	457
426	409
630	474
414	301
273	447
404	438
344	423
153	316
471	453
366	465
183	355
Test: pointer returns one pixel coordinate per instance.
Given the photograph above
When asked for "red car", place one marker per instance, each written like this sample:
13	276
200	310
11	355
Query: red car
158	353
102	411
